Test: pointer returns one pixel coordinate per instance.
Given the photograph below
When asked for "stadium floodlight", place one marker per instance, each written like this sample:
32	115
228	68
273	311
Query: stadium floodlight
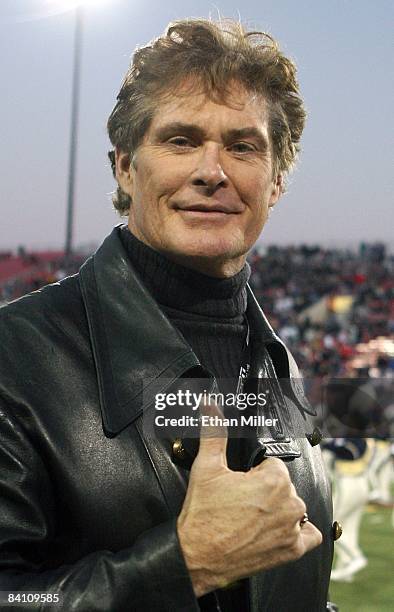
78	6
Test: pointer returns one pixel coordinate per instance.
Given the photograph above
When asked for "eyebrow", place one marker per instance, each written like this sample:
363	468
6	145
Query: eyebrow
248	132
177	127
195	131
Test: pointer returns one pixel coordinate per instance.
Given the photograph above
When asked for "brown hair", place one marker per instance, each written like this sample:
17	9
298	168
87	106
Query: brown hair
212	55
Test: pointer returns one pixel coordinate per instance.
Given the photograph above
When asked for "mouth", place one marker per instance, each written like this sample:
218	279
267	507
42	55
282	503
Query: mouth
209	210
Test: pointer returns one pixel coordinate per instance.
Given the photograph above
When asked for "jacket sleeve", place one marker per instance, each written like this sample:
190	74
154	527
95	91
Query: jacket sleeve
151	575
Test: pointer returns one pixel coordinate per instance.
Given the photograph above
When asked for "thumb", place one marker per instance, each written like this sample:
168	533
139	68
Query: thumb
213	437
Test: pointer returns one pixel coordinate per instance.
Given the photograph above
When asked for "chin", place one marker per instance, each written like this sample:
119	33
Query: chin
209	248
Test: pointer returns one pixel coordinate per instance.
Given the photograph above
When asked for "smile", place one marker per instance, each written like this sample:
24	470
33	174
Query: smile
214	209
205	215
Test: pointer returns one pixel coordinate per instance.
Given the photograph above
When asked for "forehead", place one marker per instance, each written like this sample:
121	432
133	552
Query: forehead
240	109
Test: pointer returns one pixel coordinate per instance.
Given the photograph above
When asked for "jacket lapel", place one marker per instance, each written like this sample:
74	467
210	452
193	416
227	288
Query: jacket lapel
136	350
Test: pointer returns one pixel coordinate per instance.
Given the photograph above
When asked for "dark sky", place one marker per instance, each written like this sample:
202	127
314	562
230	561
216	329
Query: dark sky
341	192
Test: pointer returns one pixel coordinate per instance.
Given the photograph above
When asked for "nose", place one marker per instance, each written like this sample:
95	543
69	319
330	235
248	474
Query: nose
209	173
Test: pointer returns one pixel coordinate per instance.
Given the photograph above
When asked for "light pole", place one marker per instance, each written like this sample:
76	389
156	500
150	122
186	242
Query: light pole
76	81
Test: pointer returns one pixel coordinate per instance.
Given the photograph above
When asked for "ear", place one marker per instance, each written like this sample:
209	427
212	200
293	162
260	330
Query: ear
124	170
277	189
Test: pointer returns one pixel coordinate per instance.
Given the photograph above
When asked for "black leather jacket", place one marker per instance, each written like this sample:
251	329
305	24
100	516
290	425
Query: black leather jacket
88	501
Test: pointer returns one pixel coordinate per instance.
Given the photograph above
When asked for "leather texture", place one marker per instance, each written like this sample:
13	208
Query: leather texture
88	500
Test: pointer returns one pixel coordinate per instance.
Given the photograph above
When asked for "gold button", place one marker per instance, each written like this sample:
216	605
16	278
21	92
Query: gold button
315	437
336	530
178	450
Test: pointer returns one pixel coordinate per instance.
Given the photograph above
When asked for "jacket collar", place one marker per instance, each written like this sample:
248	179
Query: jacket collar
136	350
135	347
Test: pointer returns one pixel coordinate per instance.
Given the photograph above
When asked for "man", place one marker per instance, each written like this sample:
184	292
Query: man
94	508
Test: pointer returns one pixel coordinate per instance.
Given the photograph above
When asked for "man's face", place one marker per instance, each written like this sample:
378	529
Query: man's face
201	181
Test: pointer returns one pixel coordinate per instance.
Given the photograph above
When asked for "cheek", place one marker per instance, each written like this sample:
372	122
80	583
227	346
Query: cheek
256	194
251	183
160	183
256	198
261	196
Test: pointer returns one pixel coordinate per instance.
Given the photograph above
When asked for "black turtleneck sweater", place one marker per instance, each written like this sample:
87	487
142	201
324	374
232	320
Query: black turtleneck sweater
210	314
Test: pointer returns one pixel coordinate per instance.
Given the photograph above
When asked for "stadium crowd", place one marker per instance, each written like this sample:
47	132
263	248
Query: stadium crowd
326	302
323	302
23	272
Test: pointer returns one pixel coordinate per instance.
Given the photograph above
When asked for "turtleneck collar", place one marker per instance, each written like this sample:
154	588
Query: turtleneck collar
182	289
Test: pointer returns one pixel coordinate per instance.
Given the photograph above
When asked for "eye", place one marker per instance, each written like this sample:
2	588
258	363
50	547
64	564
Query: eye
242	147
181	141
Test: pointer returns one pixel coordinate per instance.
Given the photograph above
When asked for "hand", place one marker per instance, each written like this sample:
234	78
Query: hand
234	524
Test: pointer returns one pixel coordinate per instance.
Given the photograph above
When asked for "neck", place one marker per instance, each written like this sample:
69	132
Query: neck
185	288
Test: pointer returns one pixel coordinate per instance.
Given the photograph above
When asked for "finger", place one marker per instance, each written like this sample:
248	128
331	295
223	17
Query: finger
213	436
310	536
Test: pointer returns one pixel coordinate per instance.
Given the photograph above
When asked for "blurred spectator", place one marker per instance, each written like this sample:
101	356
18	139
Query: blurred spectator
324	302
26	272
